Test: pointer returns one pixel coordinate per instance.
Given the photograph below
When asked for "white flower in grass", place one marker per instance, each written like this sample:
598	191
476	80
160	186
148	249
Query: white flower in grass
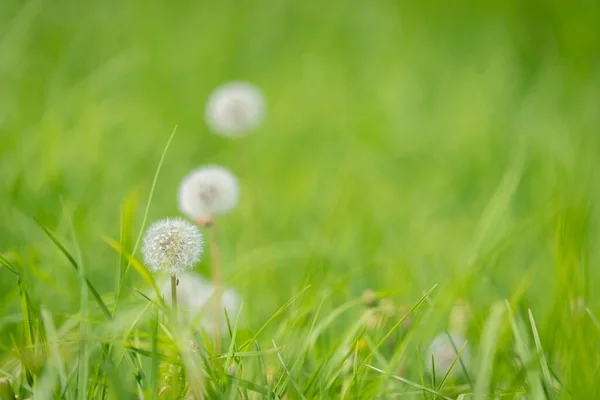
444	349
235	108
172	244
207	192
195	299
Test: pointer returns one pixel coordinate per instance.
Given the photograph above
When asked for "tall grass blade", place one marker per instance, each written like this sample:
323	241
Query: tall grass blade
524	354
137	265
84	367
397	324
458	354
487	351
8	265
287	372
277	313
547	377
144	219
72	261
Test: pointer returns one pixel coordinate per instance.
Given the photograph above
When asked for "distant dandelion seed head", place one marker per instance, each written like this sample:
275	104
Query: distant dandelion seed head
207	192
172	244
444	349
235	108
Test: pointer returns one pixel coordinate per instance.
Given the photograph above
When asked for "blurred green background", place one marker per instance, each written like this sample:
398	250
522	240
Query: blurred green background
406	144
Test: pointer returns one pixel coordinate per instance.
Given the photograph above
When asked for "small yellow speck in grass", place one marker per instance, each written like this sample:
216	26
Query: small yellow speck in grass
271	374
362	344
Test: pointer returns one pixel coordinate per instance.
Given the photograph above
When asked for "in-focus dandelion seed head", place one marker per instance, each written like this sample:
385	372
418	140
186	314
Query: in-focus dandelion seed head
207	192
172	244
235	108
444	349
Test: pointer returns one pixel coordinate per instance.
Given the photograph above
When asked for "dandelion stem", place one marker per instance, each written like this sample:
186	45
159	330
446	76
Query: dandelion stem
216	272
174	377
174	294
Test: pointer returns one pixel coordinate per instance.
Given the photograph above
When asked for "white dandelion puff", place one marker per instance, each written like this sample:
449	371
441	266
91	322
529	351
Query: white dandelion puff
195	299
234	109
207	192
444	349
172	244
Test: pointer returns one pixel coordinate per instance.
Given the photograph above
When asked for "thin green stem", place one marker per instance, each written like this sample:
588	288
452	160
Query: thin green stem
216	272
174	376
174	295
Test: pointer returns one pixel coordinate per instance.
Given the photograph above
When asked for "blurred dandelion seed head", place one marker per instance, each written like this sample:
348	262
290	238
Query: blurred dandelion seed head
234	109
207	192
444	349
370	298
195	298
172	244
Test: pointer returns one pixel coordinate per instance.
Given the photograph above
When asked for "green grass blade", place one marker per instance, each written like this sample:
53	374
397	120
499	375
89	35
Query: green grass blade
137	265
287	371
421	373
6	391
489	342
547	377
590	313
262	370
57	361
84	367
232	347
409	383
8	265
458	354
433	374
277	313
397	324
144	219
154	378
72	261
523	352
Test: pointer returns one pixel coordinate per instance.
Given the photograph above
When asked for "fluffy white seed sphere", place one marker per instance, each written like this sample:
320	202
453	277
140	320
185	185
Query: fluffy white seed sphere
234	109
444	353
172	244
207	192
195	298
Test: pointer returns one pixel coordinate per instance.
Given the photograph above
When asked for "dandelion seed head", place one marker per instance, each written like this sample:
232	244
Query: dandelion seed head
235	108
195	298
172	244
444	349
207	192
370	298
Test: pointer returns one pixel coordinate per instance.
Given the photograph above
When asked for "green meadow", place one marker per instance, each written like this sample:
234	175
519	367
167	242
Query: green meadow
441	156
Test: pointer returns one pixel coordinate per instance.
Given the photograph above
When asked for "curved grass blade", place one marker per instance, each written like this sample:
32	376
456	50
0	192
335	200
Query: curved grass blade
137	265
8	265
279	311
547	378
72	261
397	324
6	392
233	334
460	360
252	386
287	372
458	354
489	343
410	383
145	217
